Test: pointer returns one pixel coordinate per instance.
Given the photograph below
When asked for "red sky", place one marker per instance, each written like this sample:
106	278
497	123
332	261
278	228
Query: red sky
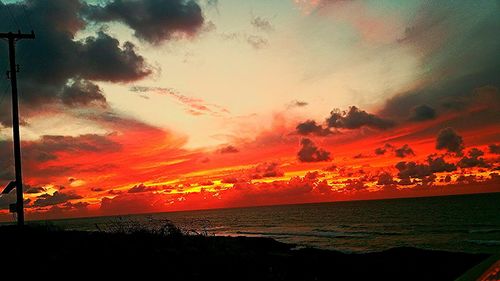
231	105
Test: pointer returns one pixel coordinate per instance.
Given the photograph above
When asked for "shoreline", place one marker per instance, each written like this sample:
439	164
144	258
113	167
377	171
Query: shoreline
199	257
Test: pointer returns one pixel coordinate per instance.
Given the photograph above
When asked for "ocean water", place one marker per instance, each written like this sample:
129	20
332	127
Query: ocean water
468	223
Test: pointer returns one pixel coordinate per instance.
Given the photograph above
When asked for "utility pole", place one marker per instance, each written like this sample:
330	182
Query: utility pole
12	74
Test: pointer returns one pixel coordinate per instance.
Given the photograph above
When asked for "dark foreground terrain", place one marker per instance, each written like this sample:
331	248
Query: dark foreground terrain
171	255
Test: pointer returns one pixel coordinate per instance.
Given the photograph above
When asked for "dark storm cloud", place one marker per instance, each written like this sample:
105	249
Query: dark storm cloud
309	152
52	62
459	47
310	127
422	113
152	20
54	199
104	59
404	151
450	141
53	55
82	92
463	94
54	58
355	118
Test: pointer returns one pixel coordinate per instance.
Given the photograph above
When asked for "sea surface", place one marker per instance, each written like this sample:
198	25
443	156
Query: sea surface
468	223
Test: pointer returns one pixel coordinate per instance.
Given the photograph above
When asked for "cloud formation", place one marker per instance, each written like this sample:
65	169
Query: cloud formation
194	106
152	20
494	148
58	67
441	33
385	179
267	170
310	127
105	60
447	139
45	200
423	171
257	42
298	103
82	93
262	24
401	152
474	159
404	151
142	188
50	147
309	152
384	149
228	149
356	118
422	113
50	144
73	34
34	189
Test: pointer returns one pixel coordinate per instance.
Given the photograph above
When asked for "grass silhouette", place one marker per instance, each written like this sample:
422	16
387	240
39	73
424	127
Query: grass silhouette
167	251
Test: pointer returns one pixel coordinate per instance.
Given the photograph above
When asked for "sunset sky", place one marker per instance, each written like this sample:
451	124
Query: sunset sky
163	105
